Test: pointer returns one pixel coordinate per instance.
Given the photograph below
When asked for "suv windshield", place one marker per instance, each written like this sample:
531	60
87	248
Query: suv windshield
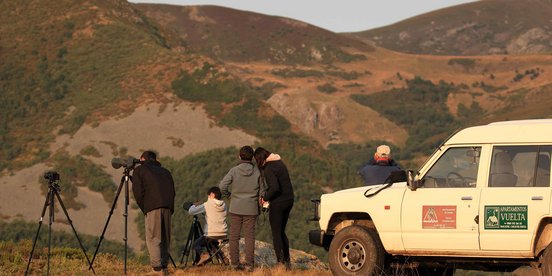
456	168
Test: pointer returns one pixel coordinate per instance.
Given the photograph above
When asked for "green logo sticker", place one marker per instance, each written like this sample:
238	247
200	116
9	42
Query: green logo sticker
506	217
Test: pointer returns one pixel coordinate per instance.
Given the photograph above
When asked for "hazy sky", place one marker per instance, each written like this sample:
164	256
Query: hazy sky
333	15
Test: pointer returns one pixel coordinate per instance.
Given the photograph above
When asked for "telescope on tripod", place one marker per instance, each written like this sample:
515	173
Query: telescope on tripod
53	193
128	166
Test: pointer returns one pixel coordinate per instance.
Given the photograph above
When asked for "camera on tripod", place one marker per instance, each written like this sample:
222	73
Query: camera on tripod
129	163
51	176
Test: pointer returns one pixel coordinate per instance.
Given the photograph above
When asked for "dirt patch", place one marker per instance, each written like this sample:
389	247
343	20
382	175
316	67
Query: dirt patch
328	118
25	200
155	126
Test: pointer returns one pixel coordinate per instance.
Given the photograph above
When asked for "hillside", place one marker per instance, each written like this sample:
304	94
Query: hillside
85	82
234	35
478	28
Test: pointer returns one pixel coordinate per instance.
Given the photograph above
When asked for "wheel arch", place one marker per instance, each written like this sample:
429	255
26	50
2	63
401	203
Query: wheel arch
338	221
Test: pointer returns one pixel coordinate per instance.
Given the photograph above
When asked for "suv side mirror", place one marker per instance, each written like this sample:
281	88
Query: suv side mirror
411	181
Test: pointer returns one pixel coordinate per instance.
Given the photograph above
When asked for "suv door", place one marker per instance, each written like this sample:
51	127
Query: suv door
440	214
516	198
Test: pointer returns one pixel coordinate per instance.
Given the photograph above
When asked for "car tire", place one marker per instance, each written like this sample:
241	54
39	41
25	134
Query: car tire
545	261
356	250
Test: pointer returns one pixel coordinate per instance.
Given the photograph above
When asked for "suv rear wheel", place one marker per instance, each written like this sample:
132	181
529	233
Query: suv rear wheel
546	261
356	250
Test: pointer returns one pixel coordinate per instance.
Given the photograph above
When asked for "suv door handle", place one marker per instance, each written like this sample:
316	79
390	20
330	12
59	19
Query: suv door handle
536	198
467	198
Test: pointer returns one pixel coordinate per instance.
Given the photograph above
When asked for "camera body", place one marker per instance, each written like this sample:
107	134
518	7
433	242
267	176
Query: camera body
51	176
187	205
128	163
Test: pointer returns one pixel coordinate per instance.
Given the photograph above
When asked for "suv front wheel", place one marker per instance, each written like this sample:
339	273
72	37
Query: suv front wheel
356	250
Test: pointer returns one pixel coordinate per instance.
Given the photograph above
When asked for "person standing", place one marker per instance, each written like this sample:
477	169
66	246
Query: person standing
378	169
280	195
153	189
244	208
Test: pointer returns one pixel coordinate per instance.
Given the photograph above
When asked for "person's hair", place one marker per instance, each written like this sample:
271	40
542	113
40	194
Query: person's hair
261	155
149	155
246	153
215	190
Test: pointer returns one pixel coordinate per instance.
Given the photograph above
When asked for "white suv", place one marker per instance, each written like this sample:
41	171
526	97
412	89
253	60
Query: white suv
481	201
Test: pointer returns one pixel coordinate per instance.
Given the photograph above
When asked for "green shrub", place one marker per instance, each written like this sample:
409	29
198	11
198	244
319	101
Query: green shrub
326	88
90	151
296	73
467	63
420	108
77	171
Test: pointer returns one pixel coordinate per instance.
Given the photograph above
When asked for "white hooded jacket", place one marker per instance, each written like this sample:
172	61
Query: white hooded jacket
215	217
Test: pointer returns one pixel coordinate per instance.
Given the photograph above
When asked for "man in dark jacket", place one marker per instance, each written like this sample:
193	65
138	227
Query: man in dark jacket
153	189
379	168
244	206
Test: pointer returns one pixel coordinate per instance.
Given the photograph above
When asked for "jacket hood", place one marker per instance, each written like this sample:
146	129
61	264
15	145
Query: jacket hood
273	157
219	204
246	168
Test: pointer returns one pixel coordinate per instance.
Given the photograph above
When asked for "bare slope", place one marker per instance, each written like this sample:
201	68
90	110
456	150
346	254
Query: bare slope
237	35
478	28
174	131
498	84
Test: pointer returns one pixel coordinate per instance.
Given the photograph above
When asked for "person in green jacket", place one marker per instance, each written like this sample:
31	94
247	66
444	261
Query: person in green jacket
244	206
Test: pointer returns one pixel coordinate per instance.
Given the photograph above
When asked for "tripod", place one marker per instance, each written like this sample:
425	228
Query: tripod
195	232
124	182
53	190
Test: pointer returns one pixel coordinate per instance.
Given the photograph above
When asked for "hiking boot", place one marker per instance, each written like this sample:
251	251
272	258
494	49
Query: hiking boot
203	259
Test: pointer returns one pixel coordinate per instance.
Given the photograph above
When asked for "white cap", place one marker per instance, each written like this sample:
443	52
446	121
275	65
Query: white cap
383	151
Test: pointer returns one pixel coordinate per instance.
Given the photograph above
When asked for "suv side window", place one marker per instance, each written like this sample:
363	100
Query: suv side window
520	166
456	168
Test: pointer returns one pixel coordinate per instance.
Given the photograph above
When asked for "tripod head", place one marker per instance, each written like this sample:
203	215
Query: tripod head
53	180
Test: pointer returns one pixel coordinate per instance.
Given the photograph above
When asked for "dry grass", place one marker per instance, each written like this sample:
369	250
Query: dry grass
71	261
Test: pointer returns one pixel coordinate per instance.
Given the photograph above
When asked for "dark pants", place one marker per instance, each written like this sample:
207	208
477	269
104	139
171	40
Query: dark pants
158	236
247	224
278	216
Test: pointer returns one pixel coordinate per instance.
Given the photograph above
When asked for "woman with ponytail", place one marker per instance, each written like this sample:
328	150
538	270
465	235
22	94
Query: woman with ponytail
279	192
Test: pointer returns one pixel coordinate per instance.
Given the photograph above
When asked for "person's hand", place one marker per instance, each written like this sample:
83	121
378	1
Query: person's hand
261	201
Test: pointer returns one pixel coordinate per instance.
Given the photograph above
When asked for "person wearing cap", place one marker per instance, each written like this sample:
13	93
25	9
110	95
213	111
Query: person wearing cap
379	167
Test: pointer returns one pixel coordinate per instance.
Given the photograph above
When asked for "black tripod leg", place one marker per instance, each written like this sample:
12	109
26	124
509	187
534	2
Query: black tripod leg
186	251
107	222
74	231
125	181
50	221
37	233
170	257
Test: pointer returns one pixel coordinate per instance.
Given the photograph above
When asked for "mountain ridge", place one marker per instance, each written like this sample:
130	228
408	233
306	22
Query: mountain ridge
235	35
477	28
